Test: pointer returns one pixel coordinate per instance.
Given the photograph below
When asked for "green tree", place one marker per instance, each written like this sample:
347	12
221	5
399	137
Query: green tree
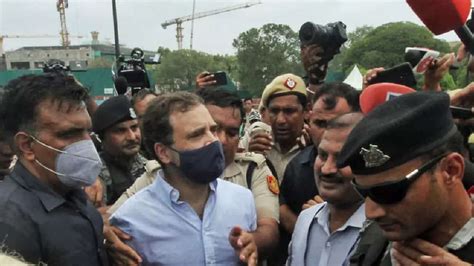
179	68
385	45
264	53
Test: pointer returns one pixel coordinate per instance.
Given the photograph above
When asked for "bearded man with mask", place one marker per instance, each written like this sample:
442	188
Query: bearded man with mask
45	213
188	216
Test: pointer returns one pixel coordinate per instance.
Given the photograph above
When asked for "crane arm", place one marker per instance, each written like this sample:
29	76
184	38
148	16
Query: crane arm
207	13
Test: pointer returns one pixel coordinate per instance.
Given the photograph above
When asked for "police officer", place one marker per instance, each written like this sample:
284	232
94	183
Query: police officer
116	124
406	156
285	101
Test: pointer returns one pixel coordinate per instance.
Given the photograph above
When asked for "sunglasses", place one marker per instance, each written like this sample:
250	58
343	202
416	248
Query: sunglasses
394	191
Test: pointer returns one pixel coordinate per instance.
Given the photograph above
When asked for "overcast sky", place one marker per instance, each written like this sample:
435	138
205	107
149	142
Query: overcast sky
140	20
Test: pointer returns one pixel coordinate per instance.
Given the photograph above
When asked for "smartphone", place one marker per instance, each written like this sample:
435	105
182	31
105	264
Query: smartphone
220	77
401	74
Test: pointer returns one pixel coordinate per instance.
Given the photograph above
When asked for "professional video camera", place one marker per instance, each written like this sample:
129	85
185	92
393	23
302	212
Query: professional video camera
132	73
330	37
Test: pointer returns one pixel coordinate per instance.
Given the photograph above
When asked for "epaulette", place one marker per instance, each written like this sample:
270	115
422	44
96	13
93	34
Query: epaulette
259	159
151	166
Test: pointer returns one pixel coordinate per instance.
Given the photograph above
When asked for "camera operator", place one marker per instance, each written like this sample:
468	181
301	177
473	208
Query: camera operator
319	44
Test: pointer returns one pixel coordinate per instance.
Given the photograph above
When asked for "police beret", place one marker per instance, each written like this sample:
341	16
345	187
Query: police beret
398	131
113	111
284	85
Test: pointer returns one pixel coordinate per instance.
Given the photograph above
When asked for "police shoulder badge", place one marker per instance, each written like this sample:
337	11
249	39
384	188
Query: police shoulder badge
273	186
290	83
373	156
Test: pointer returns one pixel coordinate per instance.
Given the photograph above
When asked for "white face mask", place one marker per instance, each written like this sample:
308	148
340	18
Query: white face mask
78	165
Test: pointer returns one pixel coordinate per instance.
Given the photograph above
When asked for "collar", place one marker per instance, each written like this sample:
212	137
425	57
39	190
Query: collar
231	170
462	237
356	220
126	165
276	146
173	194
49	199
307	155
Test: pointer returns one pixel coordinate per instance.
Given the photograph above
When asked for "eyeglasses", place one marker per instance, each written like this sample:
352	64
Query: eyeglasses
394	191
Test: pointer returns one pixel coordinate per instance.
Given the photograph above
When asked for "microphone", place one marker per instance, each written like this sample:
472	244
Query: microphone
121	85
441	16
376	94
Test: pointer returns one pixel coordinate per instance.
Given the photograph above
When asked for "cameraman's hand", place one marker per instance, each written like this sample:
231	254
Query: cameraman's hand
260	142
436	71
204	79
371	73
311	56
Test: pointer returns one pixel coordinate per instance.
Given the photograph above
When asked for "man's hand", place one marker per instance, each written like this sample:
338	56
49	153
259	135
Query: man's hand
465	97
371	73
316	200
305	139
204	79
121	253
420	252
244	246
311	56
95	193
436	71
260	142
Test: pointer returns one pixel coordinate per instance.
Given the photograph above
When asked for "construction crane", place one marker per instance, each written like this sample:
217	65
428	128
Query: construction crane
39	36
179	21
61	6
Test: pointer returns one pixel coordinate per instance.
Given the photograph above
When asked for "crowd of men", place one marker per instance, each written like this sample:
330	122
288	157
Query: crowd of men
312	176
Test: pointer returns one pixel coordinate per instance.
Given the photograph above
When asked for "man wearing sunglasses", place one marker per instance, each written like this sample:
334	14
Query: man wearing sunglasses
407	162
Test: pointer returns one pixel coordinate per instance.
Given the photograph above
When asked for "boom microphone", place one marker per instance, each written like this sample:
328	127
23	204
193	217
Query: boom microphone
376	94
441	16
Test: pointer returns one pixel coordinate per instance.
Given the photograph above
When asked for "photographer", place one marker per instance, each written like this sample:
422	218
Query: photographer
319	44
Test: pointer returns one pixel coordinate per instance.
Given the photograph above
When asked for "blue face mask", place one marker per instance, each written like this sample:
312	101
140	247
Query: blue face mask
78	165
202	165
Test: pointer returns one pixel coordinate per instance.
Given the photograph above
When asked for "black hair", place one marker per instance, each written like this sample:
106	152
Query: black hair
247	99
156	126
140	95
222	98
333	90
19	104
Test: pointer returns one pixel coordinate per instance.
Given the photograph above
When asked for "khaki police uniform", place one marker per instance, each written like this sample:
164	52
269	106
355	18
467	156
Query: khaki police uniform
263	183
280	160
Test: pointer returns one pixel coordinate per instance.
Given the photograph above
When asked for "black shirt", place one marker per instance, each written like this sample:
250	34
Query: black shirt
298	184
43	226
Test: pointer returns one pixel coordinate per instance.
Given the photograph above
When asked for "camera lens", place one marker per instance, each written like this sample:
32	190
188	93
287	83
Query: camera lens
306	33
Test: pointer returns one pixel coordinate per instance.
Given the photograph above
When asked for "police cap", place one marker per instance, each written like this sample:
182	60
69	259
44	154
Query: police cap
398	131
111	112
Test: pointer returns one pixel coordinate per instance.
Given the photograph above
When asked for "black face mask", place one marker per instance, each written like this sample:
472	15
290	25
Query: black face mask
202	165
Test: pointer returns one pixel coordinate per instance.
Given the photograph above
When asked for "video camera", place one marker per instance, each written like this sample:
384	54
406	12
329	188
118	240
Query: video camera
330	37
132	73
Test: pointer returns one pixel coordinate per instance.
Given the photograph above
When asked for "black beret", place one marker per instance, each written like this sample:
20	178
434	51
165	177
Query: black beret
113	111
398	131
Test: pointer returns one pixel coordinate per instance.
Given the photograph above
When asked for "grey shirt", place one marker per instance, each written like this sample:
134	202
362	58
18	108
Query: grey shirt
42	226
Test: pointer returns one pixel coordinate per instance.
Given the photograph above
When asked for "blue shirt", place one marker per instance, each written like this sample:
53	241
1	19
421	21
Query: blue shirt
325	248
167	231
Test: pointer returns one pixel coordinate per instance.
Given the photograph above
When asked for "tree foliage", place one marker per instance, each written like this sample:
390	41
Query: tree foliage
264	53
178	69
385	45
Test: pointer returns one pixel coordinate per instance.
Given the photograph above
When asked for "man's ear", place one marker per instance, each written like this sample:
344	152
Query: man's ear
453	168
23	142
163	153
